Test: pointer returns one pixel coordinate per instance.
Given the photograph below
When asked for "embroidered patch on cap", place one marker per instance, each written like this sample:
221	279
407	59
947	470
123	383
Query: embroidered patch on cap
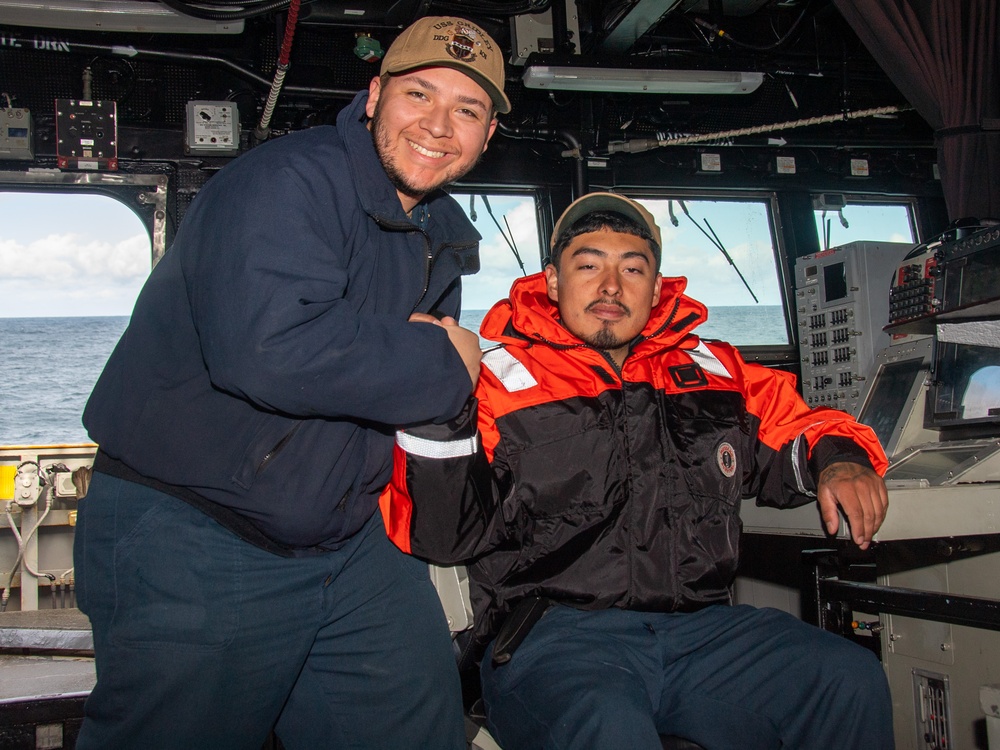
462	46
725	456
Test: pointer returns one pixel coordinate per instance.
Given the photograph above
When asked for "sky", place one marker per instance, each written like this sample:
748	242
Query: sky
70	255
88	255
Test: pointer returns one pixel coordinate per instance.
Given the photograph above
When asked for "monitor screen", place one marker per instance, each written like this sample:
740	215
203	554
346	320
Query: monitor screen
834	282
932	462
966	385
886	405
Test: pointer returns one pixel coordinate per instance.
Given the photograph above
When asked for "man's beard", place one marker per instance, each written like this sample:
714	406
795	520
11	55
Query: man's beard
383	147
606	339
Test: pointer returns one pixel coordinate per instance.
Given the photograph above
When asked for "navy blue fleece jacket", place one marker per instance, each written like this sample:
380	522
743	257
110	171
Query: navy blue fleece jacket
269	360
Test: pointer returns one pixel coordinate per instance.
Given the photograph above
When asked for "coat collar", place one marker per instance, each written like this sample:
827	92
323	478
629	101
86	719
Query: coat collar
377	194
528	315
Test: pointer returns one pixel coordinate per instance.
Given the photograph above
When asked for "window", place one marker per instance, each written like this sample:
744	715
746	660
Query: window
515	215
73	266
726	251
742	227
854	221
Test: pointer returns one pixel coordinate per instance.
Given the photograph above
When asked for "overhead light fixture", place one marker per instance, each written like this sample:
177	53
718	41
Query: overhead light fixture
639	80
109	15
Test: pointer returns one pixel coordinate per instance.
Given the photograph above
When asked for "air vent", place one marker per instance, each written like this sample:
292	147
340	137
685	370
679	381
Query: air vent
932	698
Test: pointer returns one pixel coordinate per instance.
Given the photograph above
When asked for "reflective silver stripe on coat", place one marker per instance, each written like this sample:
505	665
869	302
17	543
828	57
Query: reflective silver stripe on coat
798	467
708	362
509	371
418	446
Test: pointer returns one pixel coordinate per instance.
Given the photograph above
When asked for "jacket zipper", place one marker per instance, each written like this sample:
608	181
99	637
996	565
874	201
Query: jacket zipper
342	505
276	449
429	264
428	253
674	603
626	436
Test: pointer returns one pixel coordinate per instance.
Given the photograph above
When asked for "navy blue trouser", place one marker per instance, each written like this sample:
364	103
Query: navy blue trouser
203	641
724	677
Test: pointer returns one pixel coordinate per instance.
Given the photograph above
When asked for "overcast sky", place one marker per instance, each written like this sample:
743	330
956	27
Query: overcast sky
68	255
86	255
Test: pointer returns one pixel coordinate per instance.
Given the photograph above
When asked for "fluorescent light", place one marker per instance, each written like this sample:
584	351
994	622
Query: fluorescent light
640	81
109	15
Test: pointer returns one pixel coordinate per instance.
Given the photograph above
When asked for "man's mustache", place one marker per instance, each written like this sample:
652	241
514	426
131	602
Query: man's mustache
608	301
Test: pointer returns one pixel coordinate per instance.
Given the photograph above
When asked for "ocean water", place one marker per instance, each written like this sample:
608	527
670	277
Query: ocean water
50	365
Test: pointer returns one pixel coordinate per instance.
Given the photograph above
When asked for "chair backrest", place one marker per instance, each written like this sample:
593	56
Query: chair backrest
452	584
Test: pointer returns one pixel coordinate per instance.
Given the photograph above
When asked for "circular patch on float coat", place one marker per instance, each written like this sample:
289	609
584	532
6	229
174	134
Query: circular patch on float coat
725	456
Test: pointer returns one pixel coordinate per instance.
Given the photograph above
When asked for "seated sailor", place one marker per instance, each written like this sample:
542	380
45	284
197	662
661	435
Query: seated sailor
593	484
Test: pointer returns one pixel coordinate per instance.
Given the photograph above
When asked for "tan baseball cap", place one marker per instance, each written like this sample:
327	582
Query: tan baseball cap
451	43
592	202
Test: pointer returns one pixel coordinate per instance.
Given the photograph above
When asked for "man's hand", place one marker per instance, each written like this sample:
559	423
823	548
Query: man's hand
466	342
859	492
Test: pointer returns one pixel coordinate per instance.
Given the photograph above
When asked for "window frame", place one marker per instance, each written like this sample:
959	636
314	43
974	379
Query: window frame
775	353
868	199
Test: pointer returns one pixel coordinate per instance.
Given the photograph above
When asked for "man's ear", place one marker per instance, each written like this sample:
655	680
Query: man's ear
374	91
489	134
552	283
657	286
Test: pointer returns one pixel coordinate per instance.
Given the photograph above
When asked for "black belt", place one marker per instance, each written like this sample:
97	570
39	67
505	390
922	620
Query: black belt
516	627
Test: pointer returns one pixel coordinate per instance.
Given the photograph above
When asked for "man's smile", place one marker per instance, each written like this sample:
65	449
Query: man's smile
426	151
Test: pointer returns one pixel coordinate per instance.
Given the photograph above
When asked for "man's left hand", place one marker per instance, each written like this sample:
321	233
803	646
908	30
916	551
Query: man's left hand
859	492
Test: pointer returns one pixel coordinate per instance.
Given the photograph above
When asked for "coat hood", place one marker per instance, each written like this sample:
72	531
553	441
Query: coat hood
377	195
528	315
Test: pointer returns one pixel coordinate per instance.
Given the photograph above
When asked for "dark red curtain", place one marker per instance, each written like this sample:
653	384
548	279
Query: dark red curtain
942	55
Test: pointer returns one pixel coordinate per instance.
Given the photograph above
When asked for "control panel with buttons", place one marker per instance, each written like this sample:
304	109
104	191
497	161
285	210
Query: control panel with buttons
842	305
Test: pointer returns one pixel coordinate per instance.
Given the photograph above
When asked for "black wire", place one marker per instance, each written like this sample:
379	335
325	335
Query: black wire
188	9
107	67
705	39
221	4
502	9
759	48
247	10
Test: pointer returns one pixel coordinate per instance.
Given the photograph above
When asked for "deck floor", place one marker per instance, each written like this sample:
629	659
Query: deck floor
44	654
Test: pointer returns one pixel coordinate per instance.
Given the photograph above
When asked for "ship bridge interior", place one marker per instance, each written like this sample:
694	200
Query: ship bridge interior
765	129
